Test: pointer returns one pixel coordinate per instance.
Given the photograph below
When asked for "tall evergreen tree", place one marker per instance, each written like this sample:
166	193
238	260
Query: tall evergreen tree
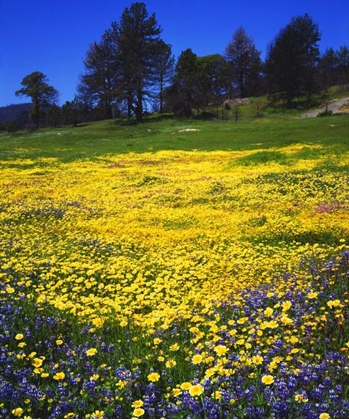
327	68
73	111
342	56
197	82
245	61
209	84
292	59
180	96
163	72
128	67
43	95
100	78
138	46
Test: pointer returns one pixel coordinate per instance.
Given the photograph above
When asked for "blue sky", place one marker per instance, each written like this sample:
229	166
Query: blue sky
53	36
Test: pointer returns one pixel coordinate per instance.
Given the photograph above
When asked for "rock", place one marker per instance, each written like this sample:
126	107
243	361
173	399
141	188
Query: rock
236	101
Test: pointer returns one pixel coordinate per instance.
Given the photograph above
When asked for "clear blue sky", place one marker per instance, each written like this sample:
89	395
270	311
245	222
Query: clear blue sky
53	36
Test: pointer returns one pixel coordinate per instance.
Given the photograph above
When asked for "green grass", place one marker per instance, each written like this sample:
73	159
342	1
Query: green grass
97	139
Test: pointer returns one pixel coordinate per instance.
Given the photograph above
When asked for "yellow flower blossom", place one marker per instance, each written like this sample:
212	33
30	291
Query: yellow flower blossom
153	377
137	404
138	412
98	414
170	363
334	303
197	359
257	360
268	312
176	392
37	362
196	390
286	305
267	379
220	350
185	386
216	395
59	376
174	347
91	352
17	411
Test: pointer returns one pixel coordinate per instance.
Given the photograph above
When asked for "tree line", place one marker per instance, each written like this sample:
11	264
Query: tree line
132	70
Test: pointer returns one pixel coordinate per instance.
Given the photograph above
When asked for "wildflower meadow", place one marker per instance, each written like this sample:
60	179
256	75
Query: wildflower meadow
175	283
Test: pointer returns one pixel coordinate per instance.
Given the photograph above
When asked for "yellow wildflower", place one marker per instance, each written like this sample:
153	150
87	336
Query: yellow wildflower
197	359
91	352
170	363
153	377
220	350
268	312
138	412
37	362
196	390
186	386
137	404
257	360
267	379
17	411
59	376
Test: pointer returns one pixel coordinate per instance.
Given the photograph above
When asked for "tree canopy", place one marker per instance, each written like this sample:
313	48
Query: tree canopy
132	69
43	95
131	62
292	58
244	60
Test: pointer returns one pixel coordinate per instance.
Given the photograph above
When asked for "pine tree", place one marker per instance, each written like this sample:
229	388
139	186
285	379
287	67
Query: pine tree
99	82
138	46
292	59
164	68
245	61
43	95
181	94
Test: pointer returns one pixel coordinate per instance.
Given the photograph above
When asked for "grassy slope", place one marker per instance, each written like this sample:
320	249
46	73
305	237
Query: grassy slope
98	139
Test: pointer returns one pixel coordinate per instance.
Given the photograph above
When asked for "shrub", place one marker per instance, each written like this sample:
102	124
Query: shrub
12	126
326	113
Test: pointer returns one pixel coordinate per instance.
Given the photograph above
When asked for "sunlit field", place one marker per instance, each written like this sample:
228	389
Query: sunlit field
175	282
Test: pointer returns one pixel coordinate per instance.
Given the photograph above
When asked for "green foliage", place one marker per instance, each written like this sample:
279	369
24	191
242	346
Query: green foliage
264	158
181	95
292	58
35	86
245	62
326	113
128	66
12	126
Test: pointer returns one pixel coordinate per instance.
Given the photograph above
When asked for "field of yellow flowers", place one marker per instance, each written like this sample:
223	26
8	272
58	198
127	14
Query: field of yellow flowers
202	284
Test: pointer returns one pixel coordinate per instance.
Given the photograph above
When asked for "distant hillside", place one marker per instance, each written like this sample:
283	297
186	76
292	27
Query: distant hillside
14	112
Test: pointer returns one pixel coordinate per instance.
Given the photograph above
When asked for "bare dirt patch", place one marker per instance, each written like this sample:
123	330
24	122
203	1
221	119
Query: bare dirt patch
336	106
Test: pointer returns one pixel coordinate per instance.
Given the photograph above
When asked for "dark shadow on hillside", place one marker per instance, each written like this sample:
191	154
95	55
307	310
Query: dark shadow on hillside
206	115
158	117
147	118
79	125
